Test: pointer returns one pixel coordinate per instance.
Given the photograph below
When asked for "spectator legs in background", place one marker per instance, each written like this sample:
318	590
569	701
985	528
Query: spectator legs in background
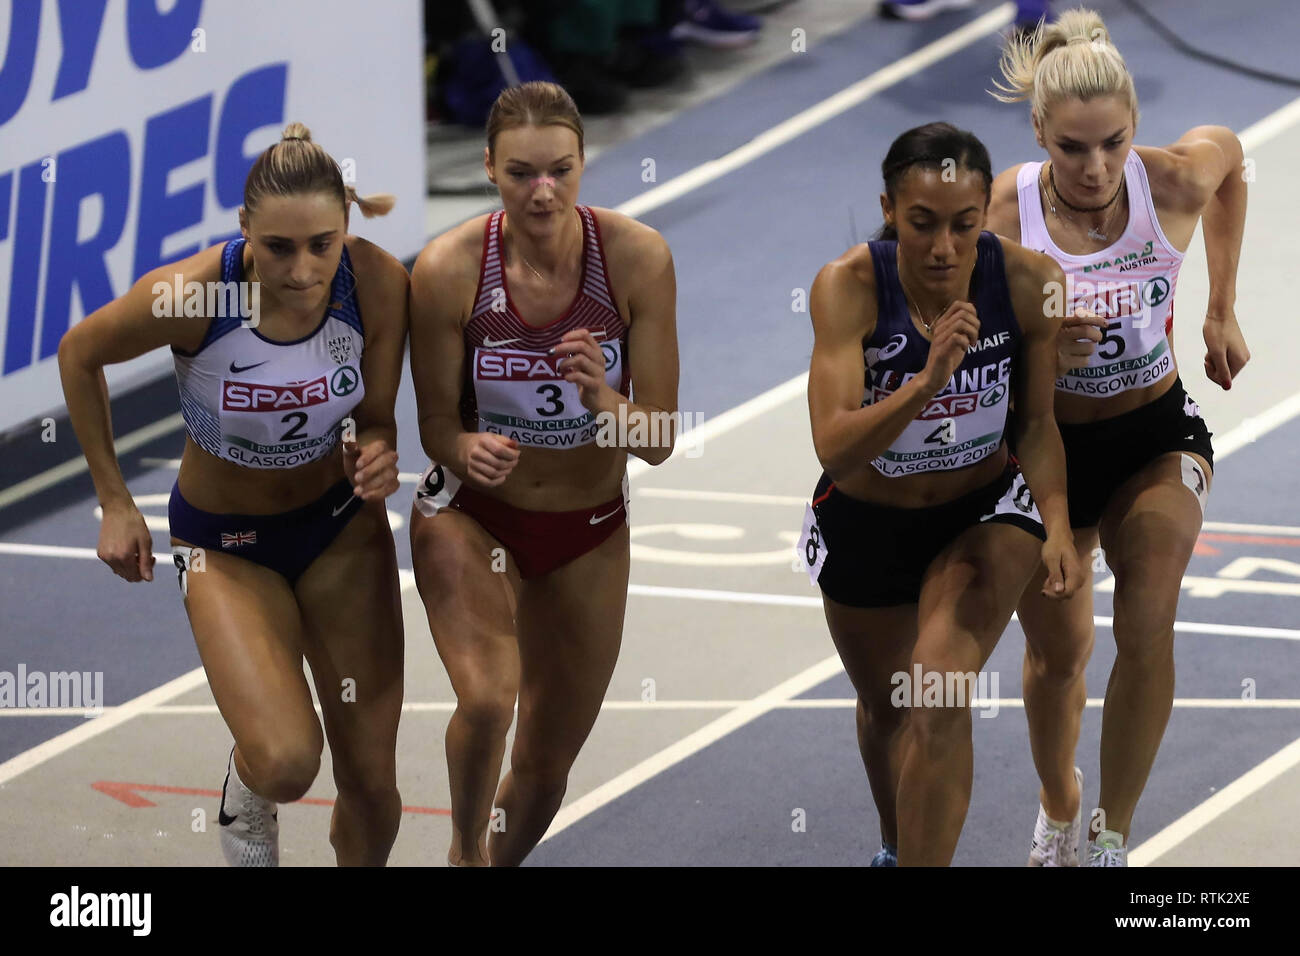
710	23
920	9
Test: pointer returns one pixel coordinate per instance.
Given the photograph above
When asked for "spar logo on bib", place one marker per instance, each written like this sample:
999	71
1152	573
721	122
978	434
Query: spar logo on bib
513	366
344	381
993	395
1155	291
252	397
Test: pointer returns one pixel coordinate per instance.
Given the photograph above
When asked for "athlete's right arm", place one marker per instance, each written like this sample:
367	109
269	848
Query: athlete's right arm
846	433
121	330
443	280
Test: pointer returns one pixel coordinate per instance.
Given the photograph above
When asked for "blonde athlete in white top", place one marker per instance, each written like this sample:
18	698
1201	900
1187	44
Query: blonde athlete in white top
1118	218
283	501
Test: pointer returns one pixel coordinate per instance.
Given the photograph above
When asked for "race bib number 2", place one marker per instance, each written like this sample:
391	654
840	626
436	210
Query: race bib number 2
812	546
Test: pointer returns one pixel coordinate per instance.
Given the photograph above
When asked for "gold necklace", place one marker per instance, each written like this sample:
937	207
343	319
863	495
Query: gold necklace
1094	233
929	326
532	268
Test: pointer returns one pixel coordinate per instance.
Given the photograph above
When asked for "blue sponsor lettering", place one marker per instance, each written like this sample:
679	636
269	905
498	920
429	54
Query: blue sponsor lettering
92	181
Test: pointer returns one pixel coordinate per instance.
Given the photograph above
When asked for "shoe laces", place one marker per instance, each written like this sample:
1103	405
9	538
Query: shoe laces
255	816
1103	855
1050	842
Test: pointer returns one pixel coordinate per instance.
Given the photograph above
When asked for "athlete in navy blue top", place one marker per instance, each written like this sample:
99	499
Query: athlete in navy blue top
288	349
922	531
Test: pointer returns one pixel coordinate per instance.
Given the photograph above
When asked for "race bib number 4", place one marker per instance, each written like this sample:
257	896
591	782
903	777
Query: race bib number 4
523	395
812	546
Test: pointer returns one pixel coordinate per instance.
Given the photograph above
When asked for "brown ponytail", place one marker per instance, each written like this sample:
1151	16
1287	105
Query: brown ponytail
296	165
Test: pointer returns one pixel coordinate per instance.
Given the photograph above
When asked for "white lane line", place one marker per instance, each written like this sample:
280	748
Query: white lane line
732	597
1276	529
1206	813
713	731
112	717
1256	426
37	483
746	498
640	705
829	108
793	600
1271	125
48	550
739	497
407	582
807	703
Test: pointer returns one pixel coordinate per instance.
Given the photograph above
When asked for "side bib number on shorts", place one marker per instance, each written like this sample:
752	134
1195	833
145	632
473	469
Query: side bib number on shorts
812	546
1017	501
523	396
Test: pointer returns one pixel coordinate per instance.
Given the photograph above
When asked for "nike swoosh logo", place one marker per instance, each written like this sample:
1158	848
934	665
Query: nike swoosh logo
489	344
595	520
339	510
236	369
222	817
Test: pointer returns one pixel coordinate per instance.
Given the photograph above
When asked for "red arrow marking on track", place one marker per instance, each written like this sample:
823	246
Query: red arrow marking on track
127	793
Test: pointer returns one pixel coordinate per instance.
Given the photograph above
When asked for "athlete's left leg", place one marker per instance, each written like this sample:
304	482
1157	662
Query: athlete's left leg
1148	531
570	626
966	602
353	639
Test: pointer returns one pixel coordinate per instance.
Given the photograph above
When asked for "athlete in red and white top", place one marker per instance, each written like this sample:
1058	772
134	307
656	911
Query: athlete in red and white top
532	328
1118	218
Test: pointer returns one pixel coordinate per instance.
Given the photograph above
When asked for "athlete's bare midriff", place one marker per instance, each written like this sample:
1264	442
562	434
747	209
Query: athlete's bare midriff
924	490
222	487
549	480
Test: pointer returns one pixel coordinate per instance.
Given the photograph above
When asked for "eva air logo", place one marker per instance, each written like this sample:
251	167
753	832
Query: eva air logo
344	381
993	395
1155	291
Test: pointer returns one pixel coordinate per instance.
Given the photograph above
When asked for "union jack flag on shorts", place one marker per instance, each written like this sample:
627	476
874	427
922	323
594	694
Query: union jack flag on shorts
238	538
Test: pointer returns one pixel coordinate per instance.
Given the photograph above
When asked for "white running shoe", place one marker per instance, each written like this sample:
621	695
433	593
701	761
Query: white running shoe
1107	850
1053	844
250	833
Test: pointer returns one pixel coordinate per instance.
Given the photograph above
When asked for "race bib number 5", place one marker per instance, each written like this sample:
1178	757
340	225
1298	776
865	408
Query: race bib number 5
812	546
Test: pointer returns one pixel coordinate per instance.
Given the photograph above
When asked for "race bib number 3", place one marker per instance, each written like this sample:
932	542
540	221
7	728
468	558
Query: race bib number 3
523	395
812	546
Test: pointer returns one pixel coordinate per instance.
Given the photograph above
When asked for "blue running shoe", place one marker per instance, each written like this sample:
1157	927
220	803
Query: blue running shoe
920	9
886	856
709	23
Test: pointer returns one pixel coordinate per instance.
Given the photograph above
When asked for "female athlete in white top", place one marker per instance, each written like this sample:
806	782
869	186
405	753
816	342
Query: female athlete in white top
1118	218
279	531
